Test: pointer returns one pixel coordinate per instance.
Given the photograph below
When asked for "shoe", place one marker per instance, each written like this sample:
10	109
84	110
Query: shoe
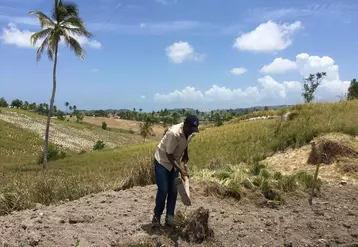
156	221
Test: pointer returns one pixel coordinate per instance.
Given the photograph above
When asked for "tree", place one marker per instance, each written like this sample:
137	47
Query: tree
32	106
311	84
266	108
74	108
16	103
218	120
79	117
65	25
3	102
67	104
353	90
146	129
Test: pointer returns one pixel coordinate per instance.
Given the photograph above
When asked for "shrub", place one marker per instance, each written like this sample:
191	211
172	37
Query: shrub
61	115
104	125
3	102
53	153
99	145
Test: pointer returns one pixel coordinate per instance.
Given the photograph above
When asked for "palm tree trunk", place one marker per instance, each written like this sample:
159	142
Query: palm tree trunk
50	111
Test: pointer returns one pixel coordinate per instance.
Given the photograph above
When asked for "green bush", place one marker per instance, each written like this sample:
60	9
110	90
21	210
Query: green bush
104	125
53	153
99	145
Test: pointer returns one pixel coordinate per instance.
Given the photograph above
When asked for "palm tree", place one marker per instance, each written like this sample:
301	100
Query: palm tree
67	104
74	108
146	129
65	25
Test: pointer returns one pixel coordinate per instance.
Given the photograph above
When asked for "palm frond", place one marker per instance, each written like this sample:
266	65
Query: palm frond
64	11
42	48
74	46
71	8
36	36
53	41
50	54
78	31
44	20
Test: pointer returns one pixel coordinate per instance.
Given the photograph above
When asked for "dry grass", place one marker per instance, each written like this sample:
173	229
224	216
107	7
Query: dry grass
122	124
209	151
259	114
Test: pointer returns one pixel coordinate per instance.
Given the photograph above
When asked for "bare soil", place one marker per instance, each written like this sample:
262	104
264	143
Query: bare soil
121	124
123	217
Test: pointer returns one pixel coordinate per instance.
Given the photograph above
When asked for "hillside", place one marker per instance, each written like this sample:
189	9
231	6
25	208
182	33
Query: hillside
68	135
222	158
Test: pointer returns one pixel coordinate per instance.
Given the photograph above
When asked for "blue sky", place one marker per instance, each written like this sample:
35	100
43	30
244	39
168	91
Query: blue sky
204	54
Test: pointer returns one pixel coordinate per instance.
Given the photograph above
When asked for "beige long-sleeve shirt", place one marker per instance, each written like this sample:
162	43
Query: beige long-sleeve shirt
173	142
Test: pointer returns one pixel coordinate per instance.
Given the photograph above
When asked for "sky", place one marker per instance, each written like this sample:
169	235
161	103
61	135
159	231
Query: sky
202	54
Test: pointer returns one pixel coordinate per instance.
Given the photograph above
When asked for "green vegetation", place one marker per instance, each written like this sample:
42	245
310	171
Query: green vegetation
65	24
311	84
18	146
104	125
3	102
146	129
99	145
54	153
353	90
212	149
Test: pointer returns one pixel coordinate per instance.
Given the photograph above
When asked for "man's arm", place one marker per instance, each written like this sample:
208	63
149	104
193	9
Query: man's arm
170	146
185	158
176	165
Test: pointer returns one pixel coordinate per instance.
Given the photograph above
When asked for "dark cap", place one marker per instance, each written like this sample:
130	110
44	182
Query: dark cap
193	122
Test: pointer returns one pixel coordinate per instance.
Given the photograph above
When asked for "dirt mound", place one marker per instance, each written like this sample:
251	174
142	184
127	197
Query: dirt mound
123	217
329	148
197	229
338	151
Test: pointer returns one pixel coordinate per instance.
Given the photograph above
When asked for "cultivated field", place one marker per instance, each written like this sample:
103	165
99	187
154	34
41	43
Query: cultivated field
122	124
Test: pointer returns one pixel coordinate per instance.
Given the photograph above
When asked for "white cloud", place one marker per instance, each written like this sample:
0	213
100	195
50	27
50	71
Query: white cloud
268	91
313	64
95	70
279	65
189	94
85	41
142	97
331	85
238	71
182	51
268	36
12	35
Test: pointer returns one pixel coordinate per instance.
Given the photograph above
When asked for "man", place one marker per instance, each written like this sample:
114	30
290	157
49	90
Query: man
173	146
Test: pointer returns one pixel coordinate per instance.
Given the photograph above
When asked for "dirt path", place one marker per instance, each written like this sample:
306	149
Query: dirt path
104	219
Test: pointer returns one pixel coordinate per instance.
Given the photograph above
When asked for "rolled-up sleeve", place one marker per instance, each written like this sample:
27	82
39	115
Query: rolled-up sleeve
170	142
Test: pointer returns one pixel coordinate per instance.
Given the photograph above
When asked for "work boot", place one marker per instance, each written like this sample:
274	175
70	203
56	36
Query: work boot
156	221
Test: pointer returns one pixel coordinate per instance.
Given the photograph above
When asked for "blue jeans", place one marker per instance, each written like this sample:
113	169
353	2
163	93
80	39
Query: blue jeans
166	190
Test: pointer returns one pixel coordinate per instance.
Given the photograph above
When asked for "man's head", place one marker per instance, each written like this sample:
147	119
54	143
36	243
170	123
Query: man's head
191	124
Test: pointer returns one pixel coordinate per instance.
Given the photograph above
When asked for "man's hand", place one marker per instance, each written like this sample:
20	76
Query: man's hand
183	172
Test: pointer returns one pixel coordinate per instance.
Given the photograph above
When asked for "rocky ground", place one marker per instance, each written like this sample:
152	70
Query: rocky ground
119	218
